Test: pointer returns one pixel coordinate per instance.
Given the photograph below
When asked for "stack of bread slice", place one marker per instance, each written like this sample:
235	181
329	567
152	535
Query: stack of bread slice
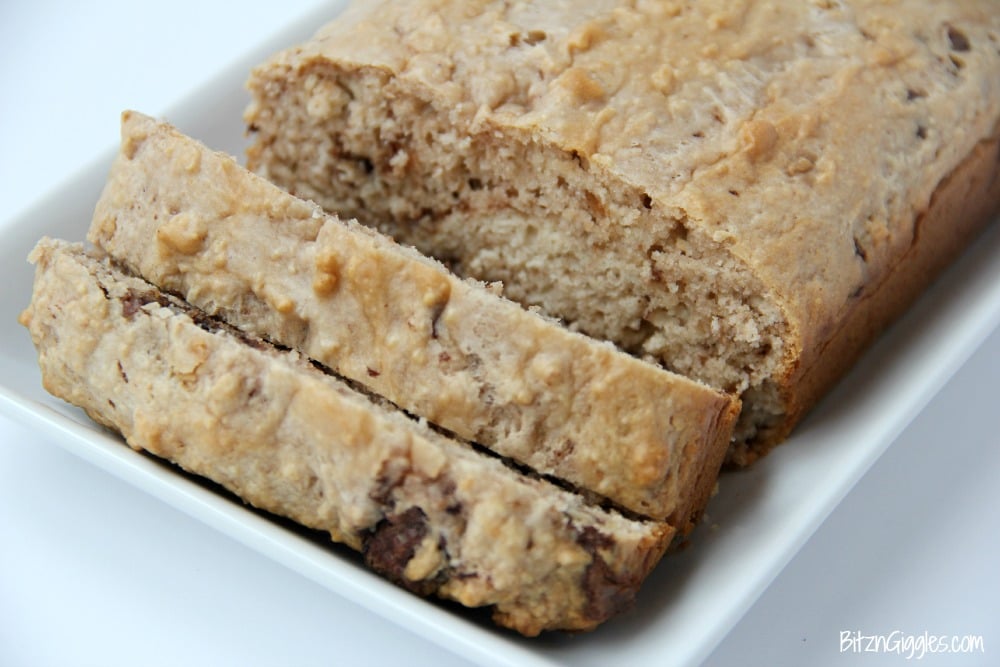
467	446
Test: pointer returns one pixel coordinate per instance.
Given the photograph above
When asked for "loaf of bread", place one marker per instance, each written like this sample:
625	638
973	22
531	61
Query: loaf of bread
430	513
195	223
744	191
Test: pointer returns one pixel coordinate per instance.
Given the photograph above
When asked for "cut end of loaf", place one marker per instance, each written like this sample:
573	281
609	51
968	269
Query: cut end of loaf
614	262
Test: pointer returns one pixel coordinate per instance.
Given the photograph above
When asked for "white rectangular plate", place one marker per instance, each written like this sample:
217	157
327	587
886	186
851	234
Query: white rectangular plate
760	517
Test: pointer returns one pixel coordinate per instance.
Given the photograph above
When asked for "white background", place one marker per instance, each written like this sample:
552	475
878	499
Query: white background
94	572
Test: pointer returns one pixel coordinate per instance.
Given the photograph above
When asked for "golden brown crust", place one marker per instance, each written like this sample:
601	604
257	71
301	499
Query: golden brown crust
707	483
429	513
964	203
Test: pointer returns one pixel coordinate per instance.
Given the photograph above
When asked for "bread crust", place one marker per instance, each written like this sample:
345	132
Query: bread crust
430	513
965	202
799	146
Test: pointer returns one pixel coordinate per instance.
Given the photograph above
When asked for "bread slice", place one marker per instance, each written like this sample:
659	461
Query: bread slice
430	513
197	224
746	191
